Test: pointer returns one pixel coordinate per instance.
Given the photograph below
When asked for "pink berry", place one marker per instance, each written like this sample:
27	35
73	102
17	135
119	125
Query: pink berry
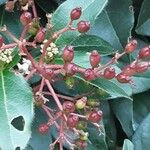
43	128
95	116
1	41
83	26
68	54
95	58
68	107
144	52
76	13
9	6
40	36
129	70
89	74
81	144
122	78
131	46
109	73
72	121
26	18
70	69
141	67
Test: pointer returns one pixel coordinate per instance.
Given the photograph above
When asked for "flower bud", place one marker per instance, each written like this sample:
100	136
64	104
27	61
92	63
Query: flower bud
95	59
81	103
70	69
26	18
83	26
89	74
68	54
40	35
1	41
131	46
9	6
109	73
76	13
72	121
95	116
144	52
122	78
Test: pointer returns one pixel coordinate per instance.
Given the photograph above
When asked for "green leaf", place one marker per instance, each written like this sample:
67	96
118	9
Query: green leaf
128	145
15	100
144	19
90	10
141	137
123	110
114	24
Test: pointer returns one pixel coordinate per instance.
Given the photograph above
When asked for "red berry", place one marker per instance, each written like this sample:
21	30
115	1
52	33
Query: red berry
131	46
95	116
68	54
68	107
1	41
9	6
83	26
72	121
81	144
26	18
109	73
43	128
129	70
40	36
70	69
76	13
142	67
89	74
95	59
144	52
122	78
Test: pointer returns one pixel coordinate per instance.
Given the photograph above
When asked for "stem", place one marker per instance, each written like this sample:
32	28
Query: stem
30	74
8	46
54	95
34	10
81	116
53	66
41	86
24	32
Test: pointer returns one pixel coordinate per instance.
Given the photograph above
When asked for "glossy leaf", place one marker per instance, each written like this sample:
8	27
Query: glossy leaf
15	101
2	2
128	145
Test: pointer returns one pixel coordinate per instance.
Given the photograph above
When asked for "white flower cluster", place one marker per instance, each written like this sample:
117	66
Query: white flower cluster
25	66
6	55
52	50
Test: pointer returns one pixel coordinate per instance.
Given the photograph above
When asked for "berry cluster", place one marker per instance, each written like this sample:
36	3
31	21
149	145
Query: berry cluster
72	114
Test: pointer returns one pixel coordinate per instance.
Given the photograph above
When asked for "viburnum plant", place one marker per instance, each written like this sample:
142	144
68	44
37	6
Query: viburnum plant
38	66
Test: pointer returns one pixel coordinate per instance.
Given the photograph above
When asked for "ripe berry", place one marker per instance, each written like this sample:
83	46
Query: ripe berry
76	13
131	46
68	107
26	18
89	74
109	73
141	67
68	54
72	121
95	59
129	70
40	35
81	144
43	128
144	52
9	6
83	26
122	78
1	41
70	69
81	103
95	116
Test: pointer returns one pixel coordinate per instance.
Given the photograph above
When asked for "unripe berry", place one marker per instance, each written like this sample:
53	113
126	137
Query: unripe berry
68	107
144	52
83	26
40	35
72	121
131	46
81	144
95	59
9	6
68	54
122	78
1	41
81	103
84	136
76	13
109	73
89	74
26	18
43	128
141	67
70	69
69	82
92	103
82	125
95	116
